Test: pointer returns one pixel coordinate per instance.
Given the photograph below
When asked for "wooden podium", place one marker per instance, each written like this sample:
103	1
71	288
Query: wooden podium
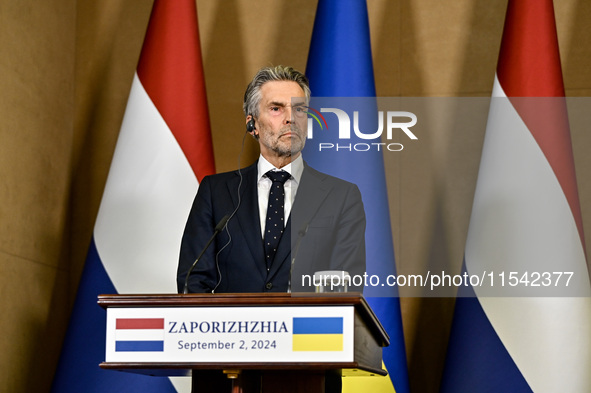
276	342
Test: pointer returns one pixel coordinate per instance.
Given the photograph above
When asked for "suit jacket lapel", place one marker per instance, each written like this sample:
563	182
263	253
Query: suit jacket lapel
310	194
247	214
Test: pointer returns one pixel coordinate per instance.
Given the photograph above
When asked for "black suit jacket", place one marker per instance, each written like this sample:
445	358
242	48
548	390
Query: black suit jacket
327	220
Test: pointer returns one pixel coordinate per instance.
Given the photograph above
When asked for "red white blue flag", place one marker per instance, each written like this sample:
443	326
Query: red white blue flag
164	149
526	212
139	335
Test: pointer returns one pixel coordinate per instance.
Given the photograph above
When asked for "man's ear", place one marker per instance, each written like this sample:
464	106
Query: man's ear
250	126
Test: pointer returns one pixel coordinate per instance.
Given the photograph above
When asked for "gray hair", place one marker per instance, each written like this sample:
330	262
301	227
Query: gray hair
252	96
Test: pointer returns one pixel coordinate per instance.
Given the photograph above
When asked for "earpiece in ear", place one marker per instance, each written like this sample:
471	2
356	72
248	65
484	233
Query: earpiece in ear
250	126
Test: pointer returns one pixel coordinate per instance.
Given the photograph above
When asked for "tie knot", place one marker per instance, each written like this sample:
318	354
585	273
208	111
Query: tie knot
278	176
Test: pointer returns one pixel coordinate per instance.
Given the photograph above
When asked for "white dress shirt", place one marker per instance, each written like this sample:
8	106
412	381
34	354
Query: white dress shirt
295	169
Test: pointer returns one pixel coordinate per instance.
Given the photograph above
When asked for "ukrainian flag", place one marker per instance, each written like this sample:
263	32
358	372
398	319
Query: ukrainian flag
340	65
318	334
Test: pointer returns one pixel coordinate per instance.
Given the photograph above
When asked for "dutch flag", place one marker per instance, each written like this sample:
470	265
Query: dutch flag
164	149
526	212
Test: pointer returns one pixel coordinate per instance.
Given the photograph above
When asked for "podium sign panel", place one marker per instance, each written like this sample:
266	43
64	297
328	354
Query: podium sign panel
230	334
174	334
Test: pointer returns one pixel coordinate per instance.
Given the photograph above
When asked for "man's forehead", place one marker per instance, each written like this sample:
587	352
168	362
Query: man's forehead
281	91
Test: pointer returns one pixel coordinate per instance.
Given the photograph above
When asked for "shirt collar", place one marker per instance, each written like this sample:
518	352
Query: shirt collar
294	168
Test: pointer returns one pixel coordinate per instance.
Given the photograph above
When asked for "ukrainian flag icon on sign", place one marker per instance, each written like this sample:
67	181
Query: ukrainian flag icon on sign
318	334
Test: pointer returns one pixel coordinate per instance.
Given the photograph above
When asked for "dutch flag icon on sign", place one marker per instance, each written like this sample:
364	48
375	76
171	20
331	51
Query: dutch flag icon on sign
139	335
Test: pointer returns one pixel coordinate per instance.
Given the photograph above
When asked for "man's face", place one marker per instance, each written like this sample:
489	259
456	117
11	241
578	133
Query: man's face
282	121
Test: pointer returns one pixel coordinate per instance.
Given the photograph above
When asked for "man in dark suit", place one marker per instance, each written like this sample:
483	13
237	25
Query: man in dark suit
324	220
279	208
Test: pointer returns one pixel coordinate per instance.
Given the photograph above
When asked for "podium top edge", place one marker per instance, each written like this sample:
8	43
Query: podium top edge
230	299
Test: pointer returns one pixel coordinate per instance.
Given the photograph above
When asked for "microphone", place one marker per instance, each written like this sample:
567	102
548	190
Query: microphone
218	229
301	234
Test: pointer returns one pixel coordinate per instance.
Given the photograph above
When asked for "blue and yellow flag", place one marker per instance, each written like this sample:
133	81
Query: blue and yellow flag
340	65
318	334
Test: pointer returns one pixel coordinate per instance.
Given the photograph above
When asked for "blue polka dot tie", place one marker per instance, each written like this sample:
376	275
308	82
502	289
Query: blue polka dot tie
274	223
